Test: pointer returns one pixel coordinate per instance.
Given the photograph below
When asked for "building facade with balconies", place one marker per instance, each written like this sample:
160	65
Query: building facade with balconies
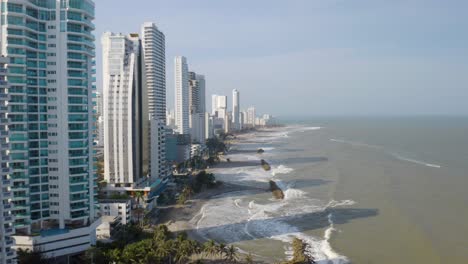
50	46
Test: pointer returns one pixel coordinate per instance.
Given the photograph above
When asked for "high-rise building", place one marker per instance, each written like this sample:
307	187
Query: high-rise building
236	110
228	123
153	94
197	107
122	88
251	115
7	255
241	120
209	129
154	71
219	106
135	108
51	50
196	93
182	95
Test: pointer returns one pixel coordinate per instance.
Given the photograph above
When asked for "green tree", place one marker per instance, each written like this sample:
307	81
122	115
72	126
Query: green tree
140	212
26	256
161	233
187	191
249	259
96	255
114	255
139	195
210	248
231	253
221	249
165	250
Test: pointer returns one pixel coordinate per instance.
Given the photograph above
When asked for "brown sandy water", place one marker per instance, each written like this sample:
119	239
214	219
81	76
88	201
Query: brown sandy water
406	177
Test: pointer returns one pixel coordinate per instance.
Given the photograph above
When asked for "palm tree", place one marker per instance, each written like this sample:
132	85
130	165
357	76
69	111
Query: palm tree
161	233
249	259
221	249
165	250
231	253
139	196
139	212
187	191
210	248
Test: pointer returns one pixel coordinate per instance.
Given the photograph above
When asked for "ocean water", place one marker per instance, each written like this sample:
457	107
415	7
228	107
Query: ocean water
357	190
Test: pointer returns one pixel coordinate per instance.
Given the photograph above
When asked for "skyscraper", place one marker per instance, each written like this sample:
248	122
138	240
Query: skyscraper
197	107
182	95
153	110
236	110
135	108
6	219
51	50
251	115
219	106
122	88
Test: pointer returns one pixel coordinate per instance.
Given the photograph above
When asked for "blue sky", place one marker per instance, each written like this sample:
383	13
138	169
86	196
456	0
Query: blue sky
313	57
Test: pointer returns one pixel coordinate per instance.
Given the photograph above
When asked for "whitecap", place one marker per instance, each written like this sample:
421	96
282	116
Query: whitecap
415	161
281	169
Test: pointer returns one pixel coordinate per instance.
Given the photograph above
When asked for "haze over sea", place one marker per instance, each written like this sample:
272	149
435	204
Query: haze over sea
360	190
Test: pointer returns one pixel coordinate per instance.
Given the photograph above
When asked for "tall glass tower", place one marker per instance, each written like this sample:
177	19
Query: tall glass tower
50	46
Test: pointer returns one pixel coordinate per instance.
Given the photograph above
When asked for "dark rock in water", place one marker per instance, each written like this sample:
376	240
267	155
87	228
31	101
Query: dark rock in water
265	165
276	191
260	151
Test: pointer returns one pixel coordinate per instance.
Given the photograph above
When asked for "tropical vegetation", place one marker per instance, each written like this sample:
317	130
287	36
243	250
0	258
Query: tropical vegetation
161	246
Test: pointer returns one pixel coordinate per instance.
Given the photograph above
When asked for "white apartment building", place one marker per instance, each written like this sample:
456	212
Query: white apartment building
251	115
153	91
120	208
135	108
219	106
121	90
182	95
50	46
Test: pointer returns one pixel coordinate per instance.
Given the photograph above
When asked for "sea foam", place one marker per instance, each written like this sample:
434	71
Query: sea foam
415	161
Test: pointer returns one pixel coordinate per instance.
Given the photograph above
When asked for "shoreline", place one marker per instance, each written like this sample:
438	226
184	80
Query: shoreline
178	217
184	218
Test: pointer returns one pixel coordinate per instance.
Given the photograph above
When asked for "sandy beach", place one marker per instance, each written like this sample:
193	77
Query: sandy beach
177	217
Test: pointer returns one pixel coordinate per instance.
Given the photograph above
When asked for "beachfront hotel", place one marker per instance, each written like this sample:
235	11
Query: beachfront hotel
121	89
153	109
50	70
134	107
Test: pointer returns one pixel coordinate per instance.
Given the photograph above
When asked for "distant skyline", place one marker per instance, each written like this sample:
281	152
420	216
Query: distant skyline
313	57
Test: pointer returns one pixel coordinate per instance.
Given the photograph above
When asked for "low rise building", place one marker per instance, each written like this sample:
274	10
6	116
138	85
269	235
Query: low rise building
116	207
109	225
